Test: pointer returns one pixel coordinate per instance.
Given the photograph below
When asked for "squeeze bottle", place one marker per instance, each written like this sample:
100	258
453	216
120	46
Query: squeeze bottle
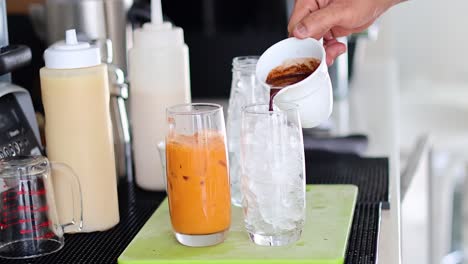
159	78
78	130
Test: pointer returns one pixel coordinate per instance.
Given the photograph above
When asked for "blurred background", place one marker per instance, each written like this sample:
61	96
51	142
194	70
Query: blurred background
417	47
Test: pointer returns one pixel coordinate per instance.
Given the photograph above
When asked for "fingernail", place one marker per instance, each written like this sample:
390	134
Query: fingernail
301	30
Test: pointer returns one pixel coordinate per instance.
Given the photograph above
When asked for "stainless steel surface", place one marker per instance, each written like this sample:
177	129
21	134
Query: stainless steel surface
92	19
116	25
3	24
118	88
119	118
86	16
3	35
105	46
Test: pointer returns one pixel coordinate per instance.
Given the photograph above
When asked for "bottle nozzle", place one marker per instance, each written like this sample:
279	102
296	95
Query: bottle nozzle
70	37
71	54
156	12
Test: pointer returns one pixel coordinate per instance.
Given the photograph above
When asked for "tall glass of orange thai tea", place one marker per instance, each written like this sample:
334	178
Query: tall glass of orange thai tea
198	174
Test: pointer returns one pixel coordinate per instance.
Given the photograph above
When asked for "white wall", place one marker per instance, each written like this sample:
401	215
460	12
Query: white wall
428	40
431	39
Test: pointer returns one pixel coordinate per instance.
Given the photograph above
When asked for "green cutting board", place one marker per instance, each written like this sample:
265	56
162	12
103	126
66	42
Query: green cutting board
330	211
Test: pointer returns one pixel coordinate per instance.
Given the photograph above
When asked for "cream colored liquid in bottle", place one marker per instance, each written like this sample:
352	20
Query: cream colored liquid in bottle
75	94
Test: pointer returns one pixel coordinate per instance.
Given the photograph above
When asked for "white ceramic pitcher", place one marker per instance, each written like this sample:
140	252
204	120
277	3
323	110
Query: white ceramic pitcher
313	95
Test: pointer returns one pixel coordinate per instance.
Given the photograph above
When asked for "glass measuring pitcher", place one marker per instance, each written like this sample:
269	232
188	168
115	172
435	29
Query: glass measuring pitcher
29	225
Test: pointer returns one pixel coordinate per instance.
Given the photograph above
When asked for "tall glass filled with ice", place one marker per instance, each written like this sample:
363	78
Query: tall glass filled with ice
273	174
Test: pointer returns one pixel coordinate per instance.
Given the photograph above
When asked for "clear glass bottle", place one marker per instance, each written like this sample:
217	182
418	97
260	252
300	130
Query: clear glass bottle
245	90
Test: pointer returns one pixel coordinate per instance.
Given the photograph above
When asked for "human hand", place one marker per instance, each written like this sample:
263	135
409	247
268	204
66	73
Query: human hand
331	19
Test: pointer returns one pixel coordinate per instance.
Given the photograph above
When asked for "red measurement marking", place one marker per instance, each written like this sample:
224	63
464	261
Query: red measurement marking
8	191
32	208
7	194
10	198
39	192
5	206
9	219
21	221
46	236
29	209
6	213
35	228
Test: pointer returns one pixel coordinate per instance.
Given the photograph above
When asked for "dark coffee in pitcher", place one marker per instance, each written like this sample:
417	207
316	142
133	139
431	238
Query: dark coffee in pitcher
290	72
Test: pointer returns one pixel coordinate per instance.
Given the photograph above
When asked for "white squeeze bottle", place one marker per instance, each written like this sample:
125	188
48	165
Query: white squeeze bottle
75	94
159	78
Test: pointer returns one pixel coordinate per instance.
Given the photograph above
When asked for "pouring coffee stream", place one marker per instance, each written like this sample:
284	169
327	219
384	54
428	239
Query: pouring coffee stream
289	72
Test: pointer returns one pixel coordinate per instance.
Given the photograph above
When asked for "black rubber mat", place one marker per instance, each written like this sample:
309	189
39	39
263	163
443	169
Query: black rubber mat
371	177
362	242
369	174
136	206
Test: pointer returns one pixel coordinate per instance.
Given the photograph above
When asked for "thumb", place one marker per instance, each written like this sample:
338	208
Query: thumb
318	23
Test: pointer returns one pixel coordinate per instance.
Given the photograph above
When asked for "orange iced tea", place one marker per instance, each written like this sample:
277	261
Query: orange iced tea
198	183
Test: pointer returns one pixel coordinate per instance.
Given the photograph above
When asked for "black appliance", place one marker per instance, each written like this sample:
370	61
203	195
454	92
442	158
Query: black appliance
19	132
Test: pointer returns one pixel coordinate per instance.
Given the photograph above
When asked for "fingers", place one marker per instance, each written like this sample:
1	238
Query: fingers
343	31
333	49
319	22
301	9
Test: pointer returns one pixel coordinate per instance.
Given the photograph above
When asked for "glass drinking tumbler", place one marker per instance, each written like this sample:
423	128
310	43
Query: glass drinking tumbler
198	174
273	174
29	225
245	90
